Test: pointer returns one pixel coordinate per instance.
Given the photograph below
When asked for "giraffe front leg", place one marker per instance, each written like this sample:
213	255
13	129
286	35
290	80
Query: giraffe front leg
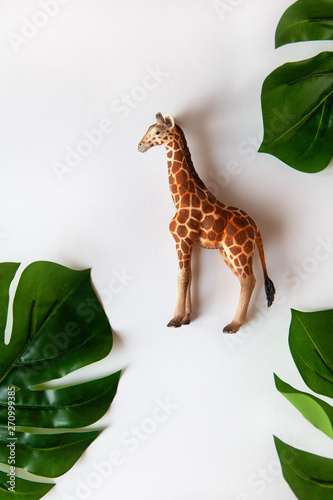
188	302
183	305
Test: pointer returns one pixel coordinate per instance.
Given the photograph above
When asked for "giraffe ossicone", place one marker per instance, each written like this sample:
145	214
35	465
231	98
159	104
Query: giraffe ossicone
202	219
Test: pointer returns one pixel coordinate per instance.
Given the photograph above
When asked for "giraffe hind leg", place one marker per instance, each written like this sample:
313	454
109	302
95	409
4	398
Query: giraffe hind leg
188	304
247	282
247	287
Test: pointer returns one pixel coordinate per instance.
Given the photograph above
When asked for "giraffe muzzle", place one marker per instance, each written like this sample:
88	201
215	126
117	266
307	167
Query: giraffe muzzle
143	147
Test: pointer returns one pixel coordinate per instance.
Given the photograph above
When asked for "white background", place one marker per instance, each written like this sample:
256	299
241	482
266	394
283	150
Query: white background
84	65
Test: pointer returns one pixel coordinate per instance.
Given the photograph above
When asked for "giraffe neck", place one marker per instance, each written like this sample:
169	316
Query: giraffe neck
183	177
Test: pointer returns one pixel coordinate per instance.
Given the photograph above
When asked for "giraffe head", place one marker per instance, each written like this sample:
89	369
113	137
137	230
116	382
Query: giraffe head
157	134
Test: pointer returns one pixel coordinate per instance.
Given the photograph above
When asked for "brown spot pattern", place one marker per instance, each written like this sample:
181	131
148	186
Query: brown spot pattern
182	231
207	222
178	156
250	232
195	201
196	214
218	225
207	207
183	216
193	224
231	229
211	198
228	241
235	250
242	259
184	246
201	194
191	186
240	238
181	177
240	222
186	200
173	226
248	247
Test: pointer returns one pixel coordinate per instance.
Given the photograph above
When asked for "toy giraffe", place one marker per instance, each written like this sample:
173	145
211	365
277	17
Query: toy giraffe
201	218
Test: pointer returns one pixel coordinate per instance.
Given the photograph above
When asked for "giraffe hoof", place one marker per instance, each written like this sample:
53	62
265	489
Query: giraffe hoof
186	322
174	324
230	328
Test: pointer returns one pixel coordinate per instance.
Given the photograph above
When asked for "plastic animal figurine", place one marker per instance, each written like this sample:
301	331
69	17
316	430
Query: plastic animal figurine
201	218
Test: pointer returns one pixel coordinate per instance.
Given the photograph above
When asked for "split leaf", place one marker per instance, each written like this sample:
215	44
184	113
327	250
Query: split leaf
297	100
59	326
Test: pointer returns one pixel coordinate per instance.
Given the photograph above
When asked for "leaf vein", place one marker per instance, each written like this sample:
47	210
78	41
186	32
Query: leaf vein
301	122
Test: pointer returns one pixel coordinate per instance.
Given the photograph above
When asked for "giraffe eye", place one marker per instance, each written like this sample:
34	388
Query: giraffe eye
157	133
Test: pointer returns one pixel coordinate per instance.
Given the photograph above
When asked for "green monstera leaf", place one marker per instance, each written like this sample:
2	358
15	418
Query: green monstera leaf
297	98
305	20
58	326
310	341
309	476
316	411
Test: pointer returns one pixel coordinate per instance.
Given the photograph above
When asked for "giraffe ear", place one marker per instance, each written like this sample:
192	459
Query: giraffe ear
160	119
169	121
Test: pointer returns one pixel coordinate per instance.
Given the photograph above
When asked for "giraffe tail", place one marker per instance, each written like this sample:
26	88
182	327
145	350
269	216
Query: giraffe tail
269	285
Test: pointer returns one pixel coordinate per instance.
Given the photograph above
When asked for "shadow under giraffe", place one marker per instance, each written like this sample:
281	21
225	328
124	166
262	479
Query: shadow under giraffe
201	218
